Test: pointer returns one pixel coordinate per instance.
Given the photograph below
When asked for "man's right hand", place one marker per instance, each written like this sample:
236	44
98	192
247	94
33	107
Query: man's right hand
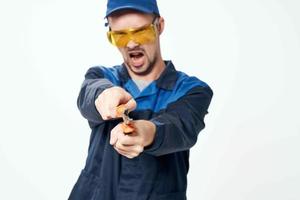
107	102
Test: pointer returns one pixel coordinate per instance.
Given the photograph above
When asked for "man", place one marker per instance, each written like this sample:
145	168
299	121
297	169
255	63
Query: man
151	161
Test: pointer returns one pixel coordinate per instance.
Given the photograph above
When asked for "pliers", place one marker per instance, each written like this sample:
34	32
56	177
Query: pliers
124	114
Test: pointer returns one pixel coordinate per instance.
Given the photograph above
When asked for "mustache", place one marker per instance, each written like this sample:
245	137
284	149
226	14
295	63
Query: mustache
136	49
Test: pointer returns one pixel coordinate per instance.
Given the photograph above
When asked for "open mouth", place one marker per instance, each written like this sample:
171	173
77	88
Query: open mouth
137	58
136	55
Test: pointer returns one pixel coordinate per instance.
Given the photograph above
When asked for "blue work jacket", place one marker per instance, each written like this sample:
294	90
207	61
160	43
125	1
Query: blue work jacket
176	103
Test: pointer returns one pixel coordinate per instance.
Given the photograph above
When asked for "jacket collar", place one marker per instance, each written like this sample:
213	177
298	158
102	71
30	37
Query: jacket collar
166	80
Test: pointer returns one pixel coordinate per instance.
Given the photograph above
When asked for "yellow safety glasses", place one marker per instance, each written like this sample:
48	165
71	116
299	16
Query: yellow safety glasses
142	35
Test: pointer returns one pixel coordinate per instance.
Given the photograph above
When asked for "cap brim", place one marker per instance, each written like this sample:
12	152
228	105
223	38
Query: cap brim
137	8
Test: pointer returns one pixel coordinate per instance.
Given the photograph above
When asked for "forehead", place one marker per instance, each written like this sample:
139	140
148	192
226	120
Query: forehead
129	19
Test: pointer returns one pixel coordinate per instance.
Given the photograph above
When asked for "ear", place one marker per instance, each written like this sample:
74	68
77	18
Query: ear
161	25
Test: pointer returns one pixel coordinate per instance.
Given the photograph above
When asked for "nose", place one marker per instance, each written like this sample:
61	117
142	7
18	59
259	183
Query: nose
131	44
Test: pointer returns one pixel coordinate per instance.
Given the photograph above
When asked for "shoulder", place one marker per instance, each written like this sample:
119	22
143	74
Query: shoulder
185	84
99	71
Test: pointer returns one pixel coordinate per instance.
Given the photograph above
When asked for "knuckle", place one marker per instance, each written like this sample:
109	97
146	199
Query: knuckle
118	150
105	117
130	156
119	146
135	154
140	149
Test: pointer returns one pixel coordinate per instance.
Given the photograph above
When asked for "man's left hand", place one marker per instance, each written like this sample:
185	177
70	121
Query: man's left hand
133	144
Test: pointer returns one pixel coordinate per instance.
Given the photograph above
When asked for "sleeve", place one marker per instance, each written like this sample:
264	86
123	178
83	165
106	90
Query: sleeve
92	86
178	127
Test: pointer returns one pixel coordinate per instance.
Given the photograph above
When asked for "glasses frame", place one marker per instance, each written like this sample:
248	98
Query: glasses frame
131	32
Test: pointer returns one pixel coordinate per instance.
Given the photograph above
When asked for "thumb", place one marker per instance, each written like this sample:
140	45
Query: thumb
131	104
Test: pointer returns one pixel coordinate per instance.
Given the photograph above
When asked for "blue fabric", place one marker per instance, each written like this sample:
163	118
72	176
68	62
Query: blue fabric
176	103
146	6
184	83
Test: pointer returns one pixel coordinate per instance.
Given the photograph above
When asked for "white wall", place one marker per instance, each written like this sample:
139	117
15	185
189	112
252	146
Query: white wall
248	52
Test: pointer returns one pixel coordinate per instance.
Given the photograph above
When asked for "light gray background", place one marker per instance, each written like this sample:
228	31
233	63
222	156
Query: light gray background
248	52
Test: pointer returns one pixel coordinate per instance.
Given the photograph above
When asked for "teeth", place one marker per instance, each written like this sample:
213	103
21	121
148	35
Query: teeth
135	54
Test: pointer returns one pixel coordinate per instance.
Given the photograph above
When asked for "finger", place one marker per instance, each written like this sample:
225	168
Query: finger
125	97
97	105
128	140
131	104
123	148
120	96
105	114
138	149
112	103
102	107
126	103
115	133
127	154
113	137
130	156
133	150
127	128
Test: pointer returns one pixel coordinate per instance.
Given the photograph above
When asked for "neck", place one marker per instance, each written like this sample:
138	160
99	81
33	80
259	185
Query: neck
158	68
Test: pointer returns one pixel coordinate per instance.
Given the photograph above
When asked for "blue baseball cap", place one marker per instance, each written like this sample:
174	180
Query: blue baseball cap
145	6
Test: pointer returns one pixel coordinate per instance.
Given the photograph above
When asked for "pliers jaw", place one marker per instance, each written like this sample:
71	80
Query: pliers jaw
124	114
126	117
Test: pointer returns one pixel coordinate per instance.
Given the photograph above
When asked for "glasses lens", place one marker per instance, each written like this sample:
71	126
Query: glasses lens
145	35
119	39
141	36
